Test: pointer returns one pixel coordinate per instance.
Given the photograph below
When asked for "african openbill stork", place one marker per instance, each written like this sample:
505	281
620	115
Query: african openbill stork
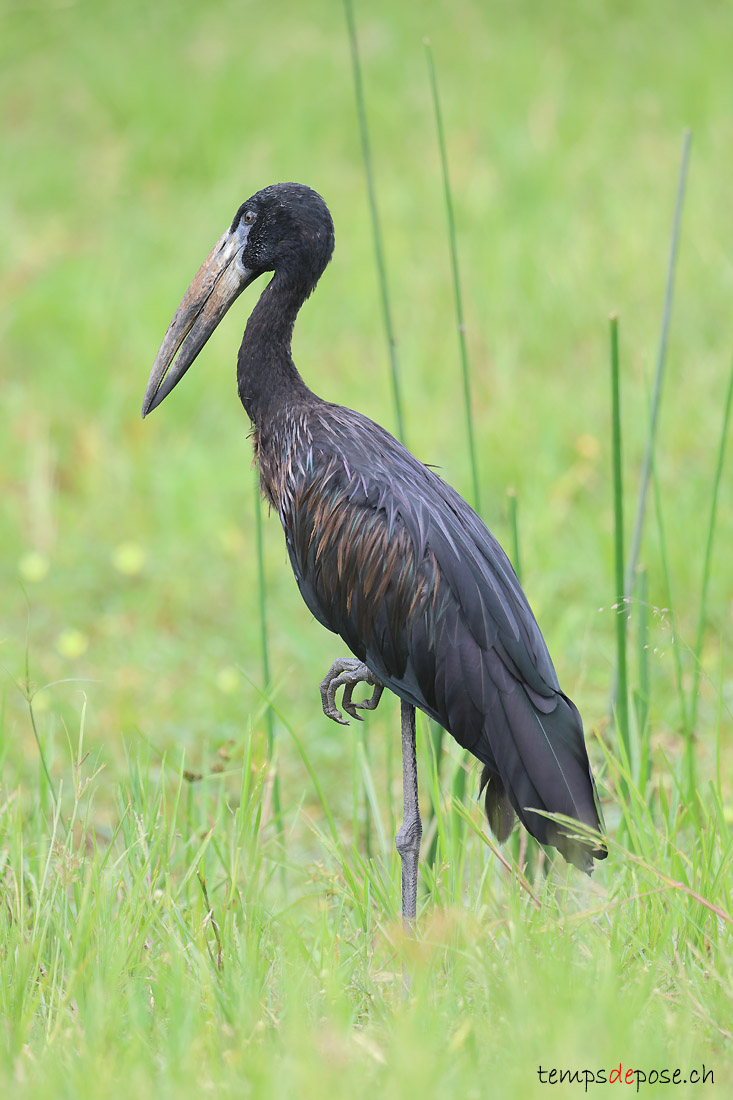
385	553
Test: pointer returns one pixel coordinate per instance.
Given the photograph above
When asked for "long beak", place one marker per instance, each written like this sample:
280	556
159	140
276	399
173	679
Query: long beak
219	282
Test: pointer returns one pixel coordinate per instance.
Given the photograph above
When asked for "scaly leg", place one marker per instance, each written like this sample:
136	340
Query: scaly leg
409	836
347	672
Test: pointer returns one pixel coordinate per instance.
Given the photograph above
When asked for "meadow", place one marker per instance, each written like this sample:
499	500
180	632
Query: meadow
199	892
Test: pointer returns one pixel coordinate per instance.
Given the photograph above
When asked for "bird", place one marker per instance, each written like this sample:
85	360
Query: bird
387	554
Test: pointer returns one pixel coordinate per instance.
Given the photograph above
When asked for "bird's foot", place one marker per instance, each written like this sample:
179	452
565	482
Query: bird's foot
346	673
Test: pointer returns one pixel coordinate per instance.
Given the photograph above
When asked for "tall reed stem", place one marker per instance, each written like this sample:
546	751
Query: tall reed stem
659	376
376	230
622	703
642	693
456	276
690	754
666	577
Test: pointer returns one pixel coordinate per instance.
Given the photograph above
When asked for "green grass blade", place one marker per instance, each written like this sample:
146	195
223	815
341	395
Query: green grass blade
659	376
372	800
706	573
622	704
676	643
642	692
303	755
436	736
376	228
456	275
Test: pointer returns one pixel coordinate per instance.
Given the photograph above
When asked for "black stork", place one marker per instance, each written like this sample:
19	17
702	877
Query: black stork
385	553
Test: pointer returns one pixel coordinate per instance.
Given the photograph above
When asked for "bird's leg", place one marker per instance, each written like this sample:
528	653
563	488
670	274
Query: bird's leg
408	838
346	673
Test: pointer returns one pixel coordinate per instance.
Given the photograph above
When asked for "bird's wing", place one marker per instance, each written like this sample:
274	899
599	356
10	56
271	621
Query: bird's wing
387	555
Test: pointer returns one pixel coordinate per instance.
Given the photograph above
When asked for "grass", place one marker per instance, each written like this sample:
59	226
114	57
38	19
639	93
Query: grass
621	700
162	923
167	954
476	497
375	222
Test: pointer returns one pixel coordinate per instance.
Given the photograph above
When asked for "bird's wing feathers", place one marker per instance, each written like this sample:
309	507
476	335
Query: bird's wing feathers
387	555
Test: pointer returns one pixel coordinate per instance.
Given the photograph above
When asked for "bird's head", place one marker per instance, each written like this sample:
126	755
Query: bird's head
285	228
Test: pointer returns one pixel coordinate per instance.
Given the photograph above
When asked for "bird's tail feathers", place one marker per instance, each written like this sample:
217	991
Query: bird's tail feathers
541	765
499	809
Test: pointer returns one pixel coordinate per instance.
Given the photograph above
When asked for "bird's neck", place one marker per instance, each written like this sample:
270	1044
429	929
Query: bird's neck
267	378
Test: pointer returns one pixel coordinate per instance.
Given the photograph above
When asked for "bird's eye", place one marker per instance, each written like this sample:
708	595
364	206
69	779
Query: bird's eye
249	216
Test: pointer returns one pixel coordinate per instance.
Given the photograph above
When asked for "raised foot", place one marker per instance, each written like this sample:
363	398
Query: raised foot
346	673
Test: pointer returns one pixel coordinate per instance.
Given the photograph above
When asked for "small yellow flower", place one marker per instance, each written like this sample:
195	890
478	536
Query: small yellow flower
588	446
227	680
71	643
128	558
33	566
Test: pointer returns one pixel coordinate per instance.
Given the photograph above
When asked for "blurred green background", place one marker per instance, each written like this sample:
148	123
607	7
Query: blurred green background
132	132
130	135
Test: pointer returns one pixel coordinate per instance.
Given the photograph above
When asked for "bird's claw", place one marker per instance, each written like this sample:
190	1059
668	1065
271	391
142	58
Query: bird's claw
346	673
